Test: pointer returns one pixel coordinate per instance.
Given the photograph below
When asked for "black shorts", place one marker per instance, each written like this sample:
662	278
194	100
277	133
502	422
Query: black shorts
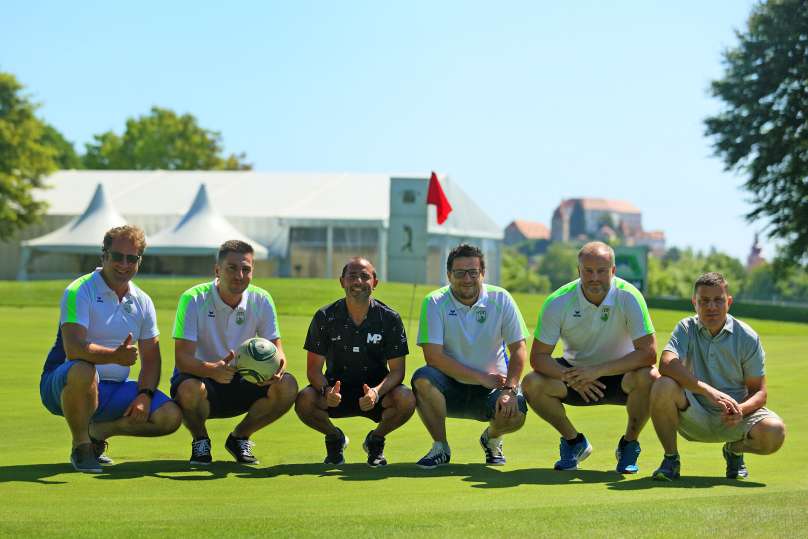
612	394
349	405
226	400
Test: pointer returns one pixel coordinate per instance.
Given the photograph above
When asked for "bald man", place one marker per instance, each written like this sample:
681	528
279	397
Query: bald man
609	356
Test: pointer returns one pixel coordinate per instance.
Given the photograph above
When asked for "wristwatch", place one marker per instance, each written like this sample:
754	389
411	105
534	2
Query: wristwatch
146	391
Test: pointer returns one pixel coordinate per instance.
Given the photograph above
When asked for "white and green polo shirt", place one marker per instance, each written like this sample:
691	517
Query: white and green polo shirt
594	334
90	303
476	336
216	328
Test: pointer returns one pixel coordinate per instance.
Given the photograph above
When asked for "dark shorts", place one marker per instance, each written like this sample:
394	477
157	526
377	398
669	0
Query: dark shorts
613	394
226	400
465	401
113	397
349	405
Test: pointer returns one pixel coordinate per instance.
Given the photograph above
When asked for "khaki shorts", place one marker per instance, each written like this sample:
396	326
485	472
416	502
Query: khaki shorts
698	424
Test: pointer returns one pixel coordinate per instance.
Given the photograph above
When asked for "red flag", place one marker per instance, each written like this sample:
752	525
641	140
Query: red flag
436	196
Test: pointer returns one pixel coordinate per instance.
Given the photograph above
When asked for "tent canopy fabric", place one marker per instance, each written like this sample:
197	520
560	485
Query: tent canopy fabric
85	233
199	232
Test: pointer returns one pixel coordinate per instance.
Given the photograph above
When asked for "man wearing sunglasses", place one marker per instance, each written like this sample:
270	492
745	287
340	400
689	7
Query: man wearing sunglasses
106	321
473	337
212	320
361	343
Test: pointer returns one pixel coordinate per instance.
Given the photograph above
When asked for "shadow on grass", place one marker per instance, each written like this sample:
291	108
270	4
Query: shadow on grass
689	481
34	473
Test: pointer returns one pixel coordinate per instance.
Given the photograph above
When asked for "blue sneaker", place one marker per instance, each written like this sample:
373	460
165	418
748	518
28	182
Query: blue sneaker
627	457
736	469
437	456
571	455
493	452
668	470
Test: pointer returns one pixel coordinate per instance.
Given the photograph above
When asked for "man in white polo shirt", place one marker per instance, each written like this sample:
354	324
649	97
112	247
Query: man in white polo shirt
103	315
464	331
212	320
609	356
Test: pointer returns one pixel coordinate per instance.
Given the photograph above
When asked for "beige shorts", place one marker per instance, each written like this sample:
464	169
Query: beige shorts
698	424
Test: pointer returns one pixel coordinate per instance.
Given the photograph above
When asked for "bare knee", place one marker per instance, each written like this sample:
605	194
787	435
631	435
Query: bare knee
640	380
190	393
535	384
423	386
168	417
402	399
306	402
665	389
284	389
769	435
82	374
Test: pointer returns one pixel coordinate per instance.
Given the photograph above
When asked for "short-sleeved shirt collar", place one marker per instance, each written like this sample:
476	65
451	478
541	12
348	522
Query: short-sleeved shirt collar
481	303
342	311
103	287
221	305
607	301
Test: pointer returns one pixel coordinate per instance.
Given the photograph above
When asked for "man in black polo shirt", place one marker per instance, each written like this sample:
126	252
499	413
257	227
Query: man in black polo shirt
362	343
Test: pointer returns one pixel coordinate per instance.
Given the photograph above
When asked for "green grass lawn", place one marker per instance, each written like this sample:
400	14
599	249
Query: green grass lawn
151	491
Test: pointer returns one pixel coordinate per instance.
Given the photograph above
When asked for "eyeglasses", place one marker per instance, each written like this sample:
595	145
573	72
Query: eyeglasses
117	256
460	273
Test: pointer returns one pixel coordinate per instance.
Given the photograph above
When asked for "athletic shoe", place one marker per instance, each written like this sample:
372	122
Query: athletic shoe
736	469
334	447
437	456
241	449
99	448
627	457
572	455
374	447
493	453
200	452
83	459
668	470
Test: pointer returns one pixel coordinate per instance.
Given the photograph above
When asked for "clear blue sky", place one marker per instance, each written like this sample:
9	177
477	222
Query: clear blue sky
522	103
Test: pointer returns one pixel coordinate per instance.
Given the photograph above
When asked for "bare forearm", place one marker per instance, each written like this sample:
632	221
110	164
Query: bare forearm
630	362
190	365
544	364
90	352
674	369
453	368
516	366
755	401
149	374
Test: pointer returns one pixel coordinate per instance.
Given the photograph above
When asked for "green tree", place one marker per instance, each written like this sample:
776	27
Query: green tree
559	264
762	131
25	159
161	140
66	157
518	276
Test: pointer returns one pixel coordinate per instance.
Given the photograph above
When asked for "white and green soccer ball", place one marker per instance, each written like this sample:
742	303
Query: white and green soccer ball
257	360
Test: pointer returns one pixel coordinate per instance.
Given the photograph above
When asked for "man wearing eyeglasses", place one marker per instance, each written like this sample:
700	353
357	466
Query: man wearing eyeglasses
106	321
473	338
713	385
362	345
212	320
609	356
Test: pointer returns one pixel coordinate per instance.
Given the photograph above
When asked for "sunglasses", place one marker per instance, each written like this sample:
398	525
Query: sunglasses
117	256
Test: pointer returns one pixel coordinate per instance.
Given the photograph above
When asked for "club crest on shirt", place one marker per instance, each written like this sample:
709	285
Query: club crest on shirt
604	314
241	316
128	308
481	316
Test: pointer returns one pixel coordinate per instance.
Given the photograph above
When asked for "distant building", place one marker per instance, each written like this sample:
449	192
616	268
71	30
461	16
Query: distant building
599	218
755	259
520	230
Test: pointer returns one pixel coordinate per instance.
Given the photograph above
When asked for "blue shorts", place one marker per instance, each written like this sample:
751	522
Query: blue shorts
465	401
113	397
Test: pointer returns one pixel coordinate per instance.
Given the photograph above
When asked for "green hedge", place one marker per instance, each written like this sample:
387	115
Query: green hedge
782	313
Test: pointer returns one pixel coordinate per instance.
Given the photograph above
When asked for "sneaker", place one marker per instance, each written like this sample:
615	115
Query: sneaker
627	457
200	452
241	449
99	448
374	447
668	470
571	455
334	447
736	469
83	459
493	453
437	456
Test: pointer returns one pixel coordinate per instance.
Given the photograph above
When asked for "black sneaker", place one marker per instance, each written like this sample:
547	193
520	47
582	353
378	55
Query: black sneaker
736	469
334	446
668	470
83	459
241	449
374	447
99	448
200	452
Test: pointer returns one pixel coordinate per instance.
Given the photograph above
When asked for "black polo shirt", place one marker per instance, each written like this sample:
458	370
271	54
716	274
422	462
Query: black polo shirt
356	355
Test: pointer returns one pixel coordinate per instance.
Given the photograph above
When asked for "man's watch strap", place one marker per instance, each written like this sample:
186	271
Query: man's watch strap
146	391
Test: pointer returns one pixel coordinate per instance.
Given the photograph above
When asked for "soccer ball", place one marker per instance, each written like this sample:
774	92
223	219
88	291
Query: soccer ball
257	360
